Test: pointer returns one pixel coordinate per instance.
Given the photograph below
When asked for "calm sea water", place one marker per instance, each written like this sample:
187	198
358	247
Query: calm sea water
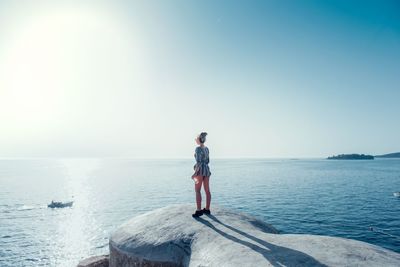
336	198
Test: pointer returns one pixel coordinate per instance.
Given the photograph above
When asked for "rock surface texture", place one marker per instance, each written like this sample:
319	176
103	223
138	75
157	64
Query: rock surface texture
95	261
171	237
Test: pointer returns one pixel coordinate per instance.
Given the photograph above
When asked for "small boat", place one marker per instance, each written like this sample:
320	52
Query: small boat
396	194
55	204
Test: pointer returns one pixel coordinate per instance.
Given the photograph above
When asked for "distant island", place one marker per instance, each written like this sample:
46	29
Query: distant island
351	156
391	155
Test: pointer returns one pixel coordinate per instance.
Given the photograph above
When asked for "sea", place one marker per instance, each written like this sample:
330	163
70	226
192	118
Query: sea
342	198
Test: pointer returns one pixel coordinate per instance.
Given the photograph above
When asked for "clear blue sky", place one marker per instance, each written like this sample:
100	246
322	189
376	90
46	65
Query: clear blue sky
142	78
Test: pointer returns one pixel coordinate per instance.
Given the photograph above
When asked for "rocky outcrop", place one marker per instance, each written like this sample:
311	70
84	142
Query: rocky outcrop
95	261
171	237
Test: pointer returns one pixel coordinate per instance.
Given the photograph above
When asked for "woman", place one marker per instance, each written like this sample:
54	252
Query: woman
202	175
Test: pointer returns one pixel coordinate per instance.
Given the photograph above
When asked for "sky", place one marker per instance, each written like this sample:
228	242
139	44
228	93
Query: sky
141	79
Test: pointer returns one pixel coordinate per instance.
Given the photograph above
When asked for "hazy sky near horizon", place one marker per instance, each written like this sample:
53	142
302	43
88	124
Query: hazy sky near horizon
141	79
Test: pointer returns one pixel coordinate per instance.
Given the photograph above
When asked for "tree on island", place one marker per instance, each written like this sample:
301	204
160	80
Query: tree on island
352	156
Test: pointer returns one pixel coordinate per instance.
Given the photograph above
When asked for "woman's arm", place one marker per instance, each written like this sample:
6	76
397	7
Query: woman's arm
197	155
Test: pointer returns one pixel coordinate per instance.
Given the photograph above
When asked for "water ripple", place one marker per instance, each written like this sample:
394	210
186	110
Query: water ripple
346	199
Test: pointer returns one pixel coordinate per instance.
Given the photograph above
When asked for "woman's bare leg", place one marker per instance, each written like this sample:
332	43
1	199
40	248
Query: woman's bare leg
197	188
206	182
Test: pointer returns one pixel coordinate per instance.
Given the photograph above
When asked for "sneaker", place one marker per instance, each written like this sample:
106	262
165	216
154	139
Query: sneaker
206	211
198	213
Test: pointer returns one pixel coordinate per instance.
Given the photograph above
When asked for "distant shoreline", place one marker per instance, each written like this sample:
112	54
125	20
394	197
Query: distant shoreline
352	157
384	156
364	157
389	156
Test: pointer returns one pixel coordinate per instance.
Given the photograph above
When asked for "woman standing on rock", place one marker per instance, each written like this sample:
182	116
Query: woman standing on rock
202	175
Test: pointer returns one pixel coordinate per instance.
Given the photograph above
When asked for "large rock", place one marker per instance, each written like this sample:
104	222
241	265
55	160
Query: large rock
95	261
171	237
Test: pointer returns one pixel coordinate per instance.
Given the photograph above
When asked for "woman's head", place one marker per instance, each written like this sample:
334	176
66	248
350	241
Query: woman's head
201	139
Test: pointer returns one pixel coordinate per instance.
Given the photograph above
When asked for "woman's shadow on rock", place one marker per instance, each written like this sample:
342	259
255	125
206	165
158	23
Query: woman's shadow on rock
275	255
